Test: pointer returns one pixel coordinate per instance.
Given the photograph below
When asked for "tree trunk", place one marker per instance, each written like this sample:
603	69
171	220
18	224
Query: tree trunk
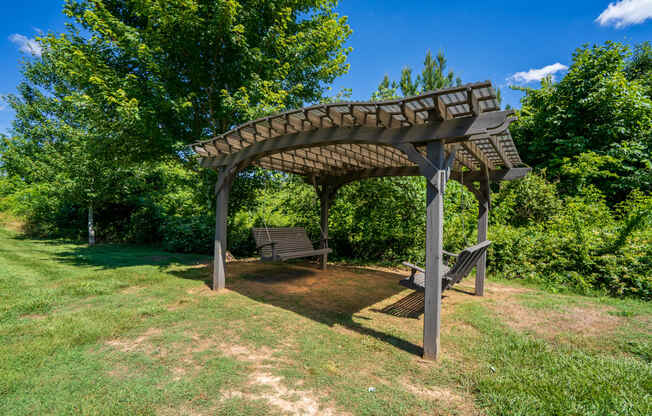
91	226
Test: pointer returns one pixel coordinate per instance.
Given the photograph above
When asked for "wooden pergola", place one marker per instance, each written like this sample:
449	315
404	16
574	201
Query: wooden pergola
454	133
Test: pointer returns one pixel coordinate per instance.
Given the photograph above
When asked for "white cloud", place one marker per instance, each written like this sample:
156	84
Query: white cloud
27	45
626	12
537	74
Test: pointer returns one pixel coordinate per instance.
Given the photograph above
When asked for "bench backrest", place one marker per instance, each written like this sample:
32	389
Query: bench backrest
466	260
288	240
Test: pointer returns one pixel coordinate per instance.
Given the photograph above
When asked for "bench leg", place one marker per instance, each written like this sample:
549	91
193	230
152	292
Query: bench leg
324	261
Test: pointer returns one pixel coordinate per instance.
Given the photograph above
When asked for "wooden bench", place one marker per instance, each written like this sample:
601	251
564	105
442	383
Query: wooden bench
280	244
464	263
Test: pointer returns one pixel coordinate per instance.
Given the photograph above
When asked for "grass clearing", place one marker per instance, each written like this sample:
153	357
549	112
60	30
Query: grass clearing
133	330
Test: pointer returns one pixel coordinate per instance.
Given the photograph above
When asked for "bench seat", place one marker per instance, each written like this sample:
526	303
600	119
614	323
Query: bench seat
285	243
300	254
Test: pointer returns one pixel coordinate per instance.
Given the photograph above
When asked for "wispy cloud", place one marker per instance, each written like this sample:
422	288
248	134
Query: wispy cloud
625	13
537	74
27	45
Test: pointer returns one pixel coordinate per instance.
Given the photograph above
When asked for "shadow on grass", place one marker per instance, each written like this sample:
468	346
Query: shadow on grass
410	306
466	292
333	297
112	256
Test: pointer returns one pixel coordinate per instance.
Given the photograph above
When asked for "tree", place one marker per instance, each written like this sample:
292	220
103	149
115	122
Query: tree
175	72
387	90
593	116
394	205
131	83
56	146
639	67
433	76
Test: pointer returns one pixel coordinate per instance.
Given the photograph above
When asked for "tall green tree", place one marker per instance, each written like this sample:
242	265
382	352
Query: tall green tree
57	153
639	67
387	90
433	76
135	81
399	212
594	126
55	144
170	73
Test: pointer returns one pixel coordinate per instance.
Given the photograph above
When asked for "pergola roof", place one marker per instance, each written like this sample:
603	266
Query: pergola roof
348	138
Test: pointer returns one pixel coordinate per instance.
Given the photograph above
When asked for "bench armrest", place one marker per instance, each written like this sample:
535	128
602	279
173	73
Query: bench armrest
269	243
448	253
413	267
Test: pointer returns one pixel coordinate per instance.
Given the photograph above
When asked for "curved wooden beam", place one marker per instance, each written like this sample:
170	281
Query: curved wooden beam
455	129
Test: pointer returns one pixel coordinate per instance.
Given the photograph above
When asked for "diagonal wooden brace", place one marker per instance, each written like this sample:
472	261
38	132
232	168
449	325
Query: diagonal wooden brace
224	174
426	167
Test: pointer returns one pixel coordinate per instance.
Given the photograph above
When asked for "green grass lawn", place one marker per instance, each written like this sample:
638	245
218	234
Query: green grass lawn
133	330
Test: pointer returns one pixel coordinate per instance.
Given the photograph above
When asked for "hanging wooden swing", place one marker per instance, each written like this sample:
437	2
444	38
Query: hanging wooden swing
280	244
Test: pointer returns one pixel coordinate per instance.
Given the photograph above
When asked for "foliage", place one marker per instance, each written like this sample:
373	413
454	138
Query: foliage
640	66
173	75
114	101
572	242
188	234
433	76
387	90
598	116
524	202
584	246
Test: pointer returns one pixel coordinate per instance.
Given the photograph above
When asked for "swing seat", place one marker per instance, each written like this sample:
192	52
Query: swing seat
465	261
280	244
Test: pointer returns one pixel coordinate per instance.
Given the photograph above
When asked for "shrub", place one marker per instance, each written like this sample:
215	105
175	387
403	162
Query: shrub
188	234
526	201
583	246
576	242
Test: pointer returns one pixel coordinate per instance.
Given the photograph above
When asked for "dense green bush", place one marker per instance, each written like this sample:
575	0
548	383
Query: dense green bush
379	219
575	242
188	234
527	201
583	245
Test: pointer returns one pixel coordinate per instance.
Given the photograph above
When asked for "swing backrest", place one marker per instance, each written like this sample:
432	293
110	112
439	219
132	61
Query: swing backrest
288	240
466	260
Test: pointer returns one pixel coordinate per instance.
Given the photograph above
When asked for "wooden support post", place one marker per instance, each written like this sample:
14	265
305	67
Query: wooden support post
324	204
483	224
434	246
221	212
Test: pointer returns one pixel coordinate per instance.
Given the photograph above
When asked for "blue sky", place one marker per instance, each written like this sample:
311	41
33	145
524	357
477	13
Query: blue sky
507	42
